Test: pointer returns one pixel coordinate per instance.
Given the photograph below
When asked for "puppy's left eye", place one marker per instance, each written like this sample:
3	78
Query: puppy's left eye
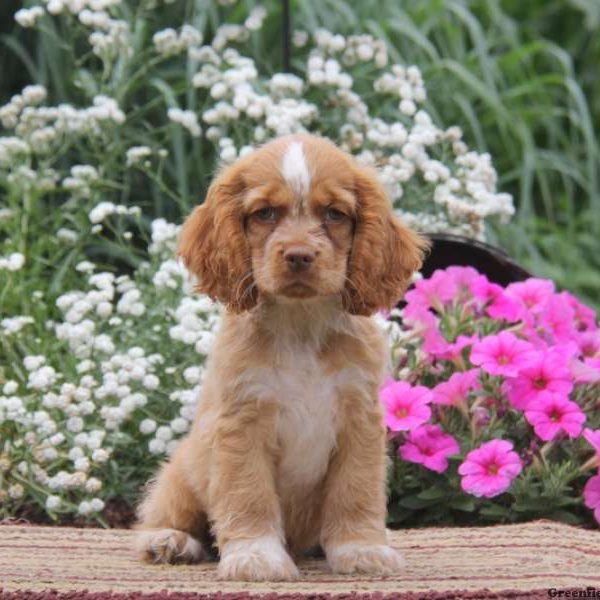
333	215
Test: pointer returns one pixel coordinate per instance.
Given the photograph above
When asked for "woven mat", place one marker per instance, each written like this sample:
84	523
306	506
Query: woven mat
447	562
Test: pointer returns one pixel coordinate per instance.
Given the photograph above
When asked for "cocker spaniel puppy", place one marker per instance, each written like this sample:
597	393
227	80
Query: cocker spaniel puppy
288	448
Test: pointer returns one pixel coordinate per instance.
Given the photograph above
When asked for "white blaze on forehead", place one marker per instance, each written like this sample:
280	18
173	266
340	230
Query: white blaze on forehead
295	170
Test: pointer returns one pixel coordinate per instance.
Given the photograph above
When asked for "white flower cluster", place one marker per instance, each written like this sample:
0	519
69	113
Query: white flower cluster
30	96
233	83
12	262
12	150
28	17
12	325
230	33
75	7
455	188
163	237
71	417
137	154
195	322
40	128
110	36
187	119
104	209
81	179
169	43
411	152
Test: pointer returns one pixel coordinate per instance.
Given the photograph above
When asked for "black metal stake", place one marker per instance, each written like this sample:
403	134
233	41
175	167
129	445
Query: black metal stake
286	46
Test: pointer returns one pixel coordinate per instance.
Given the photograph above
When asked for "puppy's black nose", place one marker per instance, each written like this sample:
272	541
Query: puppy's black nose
299	258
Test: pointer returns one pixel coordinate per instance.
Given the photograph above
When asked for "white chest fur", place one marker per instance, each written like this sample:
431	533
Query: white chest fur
307	399
307	425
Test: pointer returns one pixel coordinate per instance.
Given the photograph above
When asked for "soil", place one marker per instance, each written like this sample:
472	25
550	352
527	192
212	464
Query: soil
115	515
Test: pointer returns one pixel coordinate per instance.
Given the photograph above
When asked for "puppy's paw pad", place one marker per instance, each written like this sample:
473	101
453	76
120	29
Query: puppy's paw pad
169	546
260	559
372	559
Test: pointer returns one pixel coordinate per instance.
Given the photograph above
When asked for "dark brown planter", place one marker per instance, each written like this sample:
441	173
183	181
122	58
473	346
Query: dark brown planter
454	250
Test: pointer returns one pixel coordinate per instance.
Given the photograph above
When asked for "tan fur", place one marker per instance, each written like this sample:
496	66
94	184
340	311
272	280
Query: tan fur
287	450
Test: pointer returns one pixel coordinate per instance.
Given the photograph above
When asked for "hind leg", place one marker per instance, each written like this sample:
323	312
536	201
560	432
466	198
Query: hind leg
171	519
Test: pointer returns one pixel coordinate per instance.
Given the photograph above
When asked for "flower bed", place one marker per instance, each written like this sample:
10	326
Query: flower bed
101	345
495	402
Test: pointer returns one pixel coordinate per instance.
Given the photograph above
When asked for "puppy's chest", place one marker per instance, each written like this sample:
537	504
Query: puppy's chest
308	420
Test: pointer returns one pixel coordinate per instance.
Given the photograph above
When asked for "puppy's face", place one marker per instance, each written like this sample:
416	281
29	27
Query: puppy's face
300	223
298	219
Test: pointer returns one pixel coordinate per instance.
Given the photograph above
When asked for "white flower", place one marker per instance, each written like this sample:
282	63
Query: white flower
147	426
104	309
408	107
16	491
96	504
28	17
85	266
53	503
75	424
100	455
156	446
192	375
10	387
57	439
82	464
93	485
75	453
137	154
67	235
151	382
84	508
42	378
164	433
13	325
179	425
13	262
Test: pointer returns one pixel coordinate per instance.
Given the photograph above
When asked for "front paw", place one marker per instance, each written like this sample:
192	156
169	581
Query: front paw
168	546
372	559
257	559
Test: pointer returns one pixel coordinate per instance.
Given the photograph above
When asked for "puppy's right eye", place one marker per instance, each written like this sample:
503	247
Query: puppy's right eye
265	215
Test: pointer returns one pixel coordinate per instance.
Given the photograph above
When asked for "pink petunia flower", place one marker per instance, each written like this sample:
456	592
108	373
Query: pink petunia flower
532	293
586	371
434	292
498	304
544	372
406	406
589	343
429	446
549	414
556	320
454	392
593	438
591	495
501	354
490	469
465	279
585	317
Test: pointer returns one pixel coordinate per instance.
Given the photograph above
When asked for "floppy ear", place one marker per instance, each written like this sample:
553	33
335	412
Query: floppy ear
213	245
384	252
